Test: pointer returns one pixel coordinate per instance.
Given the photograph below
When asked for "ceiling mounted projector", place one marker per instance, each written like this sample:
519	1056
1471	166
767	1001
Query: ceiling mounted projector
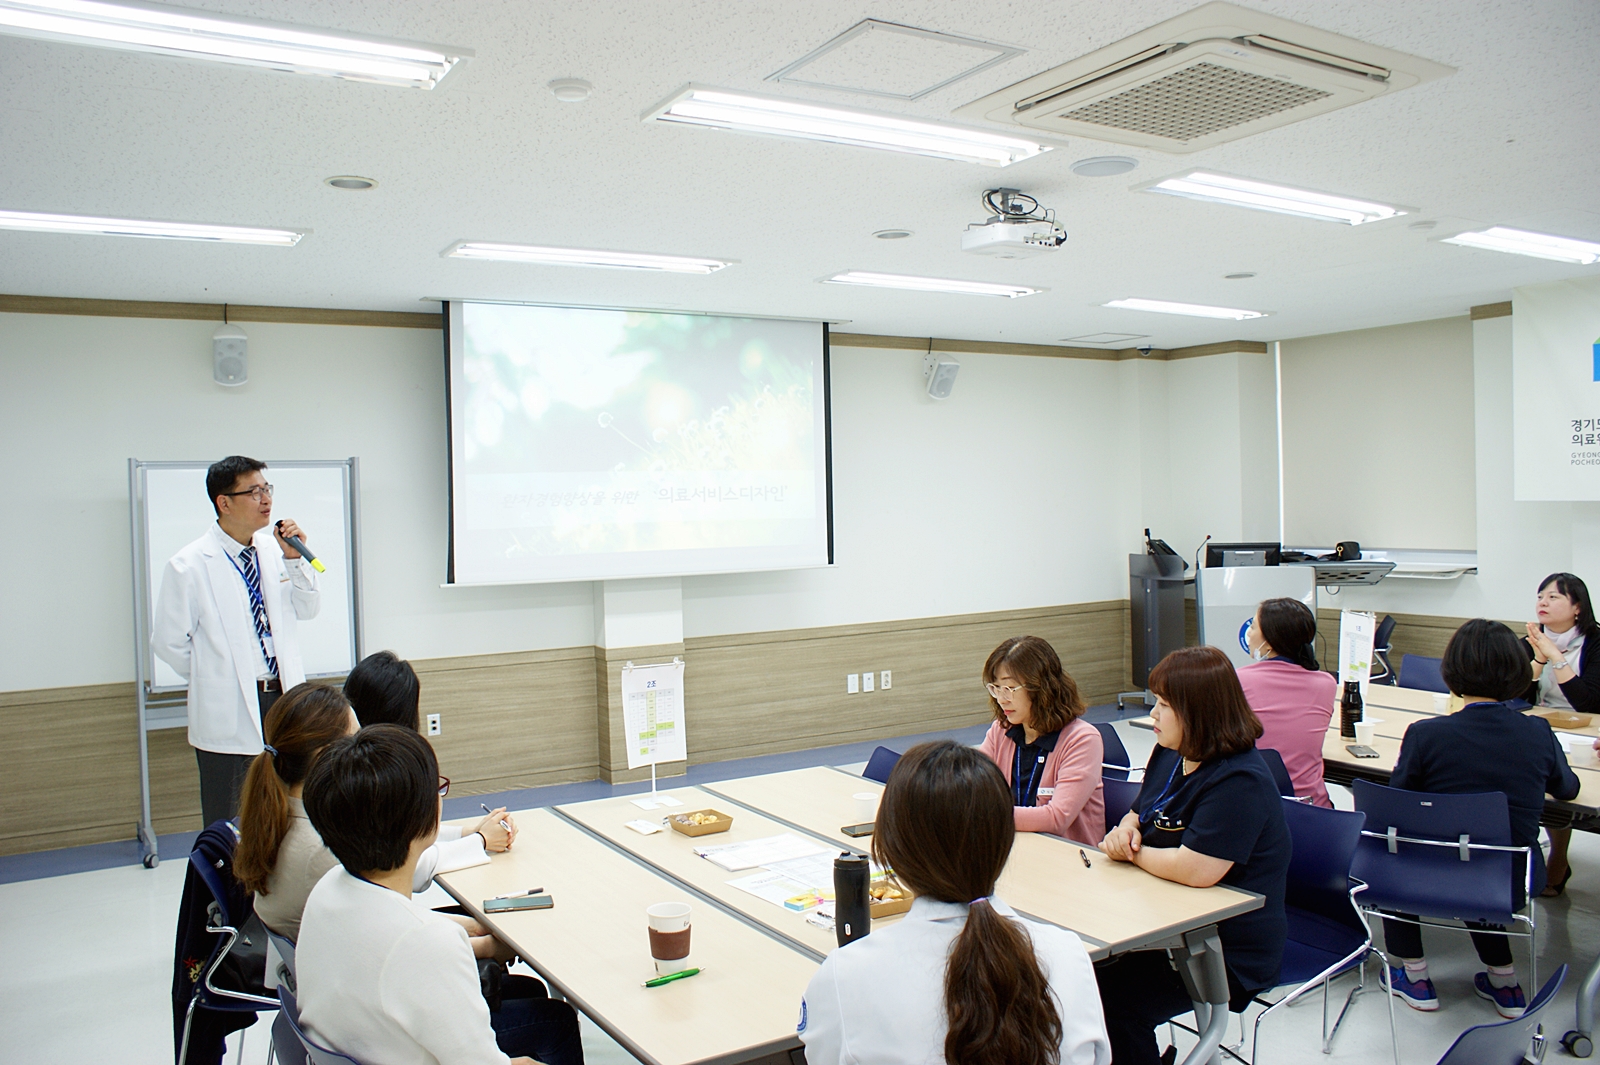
1018	229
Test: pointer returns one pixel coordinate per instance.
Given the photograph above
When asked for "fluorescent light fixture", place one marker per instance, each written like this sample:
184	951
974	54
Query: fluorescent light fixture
1281	199
624	260
783	117
1197	310
130	227
1538	245
177	31
930	284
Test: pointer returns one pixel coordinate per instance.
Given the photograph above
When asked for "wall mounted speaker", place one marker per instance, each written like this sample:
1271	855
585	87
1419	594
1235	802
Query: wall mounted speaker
228	356
939	371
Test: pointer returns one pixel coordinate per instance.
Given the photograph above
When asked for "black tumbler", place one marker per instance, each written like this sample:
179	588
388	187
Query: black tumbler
852	917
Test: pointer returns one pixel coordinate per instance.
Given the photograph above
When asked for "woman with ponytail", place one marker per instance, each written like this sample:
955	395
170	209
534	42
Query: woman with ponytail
1291	696
280	857
961	979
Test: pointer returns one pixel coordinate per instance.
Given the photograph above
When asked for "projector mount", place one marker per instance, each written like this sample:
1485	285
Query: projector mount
1019	227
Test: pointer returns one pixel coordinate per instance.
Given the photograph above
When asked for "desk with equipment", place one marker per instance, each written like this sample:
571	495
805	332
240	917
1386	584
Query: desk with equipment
592	945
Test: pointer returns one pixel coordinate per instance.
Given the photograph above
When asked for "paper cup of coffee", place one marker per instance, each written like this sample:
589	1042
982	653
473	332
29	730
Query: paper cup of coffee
1365	731
669	936
1441	702
866	806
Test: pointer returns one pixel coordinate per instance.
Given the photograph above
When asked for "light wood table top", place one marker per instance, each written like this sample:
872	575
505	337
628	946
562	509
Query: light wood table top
1113	906
673	854
1582	759
594	948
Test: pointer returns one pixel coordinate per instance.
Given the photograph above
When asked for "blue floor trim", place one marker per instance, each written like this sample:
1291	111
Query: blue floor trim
42	864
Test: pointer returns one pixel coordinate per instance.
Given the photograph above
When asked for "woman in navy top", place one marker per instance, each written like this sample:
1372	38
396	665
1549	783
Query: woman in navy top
1208	813
1485	746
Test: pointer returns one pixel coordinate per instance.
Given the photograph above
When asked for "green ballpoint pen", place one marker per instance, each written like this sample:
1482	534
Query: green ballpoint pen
658	981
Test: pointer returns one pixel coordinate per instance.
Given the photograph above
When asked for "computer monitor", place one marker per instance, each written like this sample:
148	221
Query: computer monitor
1263	554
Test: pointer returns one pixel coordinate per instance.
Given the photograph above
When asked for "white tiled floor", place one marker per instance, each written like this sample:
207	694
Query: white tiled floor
87	968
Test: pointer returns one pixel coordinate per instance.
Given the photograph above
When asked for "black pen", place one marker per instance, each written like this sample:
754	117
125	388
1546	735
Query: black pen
1087	864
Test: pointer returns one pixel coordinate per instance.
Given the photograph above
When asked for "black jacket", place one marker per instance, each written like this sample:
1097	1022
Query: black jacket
194	947
1489	747
1582	691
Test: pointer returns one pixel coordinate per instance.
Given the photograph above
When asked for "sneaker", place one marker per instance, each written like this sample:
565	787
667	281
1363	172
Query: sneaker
1508	1001
1418	994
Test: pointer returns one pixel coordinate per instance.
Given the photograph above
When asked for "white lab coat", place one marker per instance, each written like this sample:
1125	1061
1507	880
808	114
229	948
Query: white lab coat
204	630
880	999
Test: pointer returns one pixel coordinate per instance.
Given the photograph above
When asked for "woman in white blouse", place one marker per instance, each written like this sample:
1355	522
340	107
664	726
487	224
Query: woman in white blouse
961	979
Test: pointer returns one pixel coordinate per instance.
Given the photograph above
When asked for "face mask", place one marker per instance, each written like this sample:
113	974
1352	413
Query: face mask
1260	654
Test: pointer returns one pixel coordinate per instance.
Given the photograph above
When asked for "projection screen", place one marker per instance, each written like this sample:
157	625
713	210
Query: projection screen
598	444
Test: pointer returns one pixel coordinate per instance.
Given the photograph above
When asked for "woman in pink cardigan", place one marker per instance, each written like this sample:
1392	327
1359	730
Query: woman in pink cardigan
1289	692
1050	756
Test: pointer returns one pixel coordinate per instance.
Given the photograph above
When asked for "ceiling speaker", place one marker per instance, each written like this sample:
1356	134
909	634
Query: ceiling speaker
228	356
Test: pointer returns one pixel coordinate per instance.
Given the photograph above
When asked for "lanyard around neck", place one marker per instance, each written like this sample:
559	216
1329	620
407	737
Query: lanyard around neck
1019	793
253	589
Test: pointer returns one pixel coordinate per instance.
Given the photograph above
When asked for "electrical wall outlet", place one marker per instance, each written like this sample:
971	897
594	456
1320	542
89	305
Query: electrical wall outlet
886	680
852	683
866	681
434	727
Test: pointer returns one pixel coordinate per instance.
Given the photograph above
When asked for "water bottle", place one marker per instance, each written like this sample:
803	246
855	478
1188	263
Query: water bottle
852	916
1350	709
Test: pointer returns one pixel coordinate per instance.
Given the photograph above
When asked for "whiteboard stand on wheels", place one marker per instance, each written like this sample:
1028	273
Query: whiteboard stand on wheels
168	508
652	715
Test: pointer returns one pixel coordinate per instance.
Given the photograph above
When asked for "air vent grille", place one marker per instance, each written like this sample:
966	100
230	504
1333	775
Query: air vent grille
1194	102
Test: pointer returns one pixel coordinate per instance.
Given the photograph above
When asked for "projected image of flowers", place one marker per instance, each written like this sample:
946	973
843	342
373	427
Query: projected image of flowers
600	431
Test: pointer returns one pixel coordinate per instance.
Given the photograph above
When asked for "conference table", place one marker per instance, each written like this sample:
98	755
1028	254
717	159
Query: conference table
756	956
1393	710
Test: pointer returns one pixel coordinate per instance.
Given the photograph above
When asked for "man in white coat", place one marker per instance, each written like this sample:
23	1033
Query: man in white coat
225	621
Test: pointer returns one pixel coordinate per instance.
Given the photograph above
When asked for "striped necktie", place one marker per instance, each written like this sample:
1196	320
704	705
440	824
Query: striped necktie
258	607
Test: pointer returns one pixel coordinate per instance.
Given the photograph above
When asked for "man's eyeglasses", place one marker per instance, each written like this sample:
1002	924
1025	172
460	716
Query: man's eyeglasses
444	786
998	690
254	493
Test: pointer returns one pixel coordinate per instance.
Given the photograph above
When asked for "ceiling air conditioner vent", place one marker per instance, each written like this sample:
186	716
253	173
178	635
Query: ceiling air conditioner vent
1216	74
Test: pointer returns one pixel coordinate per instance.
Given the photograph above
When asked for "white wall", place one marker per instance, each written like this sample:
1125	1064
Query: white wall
1013	493
1518	543
80	395
1378	437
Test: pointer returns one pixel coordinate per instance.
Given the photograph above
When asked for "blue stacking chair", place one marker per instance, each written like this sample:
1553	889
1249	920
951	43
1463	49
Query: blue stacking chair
1328	936
1420	671
1279	771
286	1044
1513	1042
1382	645
315	1052
230	928
1120	796
881	764
1114	763
1446	858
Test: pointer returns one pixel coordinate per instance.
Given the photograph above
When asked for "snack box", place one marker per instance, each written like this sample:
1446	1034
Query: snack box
685	822
887	907
1564	718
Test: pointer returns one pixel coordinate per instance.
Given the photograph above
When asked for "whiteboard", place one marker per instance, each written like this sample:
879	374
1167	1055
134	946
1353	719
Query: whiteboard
170	510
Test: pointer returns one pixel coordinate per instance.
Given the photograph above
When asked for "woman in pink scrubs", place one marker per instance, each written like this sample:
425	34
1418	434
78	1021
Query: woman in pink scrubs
1289	692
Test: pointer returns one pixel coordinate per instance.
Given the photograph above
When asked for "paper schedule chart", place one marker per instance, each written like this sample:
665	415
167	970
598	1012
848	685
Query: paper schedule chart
652	714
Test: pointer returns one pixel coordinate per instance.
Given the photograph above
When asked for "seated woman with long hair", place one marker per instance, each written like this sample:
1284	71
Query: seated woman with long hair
280	857
1291	696
1208	813
1048	754
961	979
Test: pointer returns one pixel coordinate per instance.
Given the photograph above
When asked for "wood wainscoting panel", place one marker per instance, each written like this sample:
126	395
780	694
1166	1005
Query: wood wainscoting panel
71	769
762	693
516	720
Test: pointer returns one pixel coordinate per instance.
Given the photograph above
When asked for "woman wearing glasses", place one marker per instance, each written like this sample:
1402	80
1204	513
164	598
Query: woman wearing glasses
1049	755
1208	813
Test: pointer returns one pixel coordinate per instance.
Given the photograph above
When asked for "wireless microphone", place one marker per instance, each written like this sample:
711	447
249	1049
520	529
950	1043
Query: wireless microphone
300	546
